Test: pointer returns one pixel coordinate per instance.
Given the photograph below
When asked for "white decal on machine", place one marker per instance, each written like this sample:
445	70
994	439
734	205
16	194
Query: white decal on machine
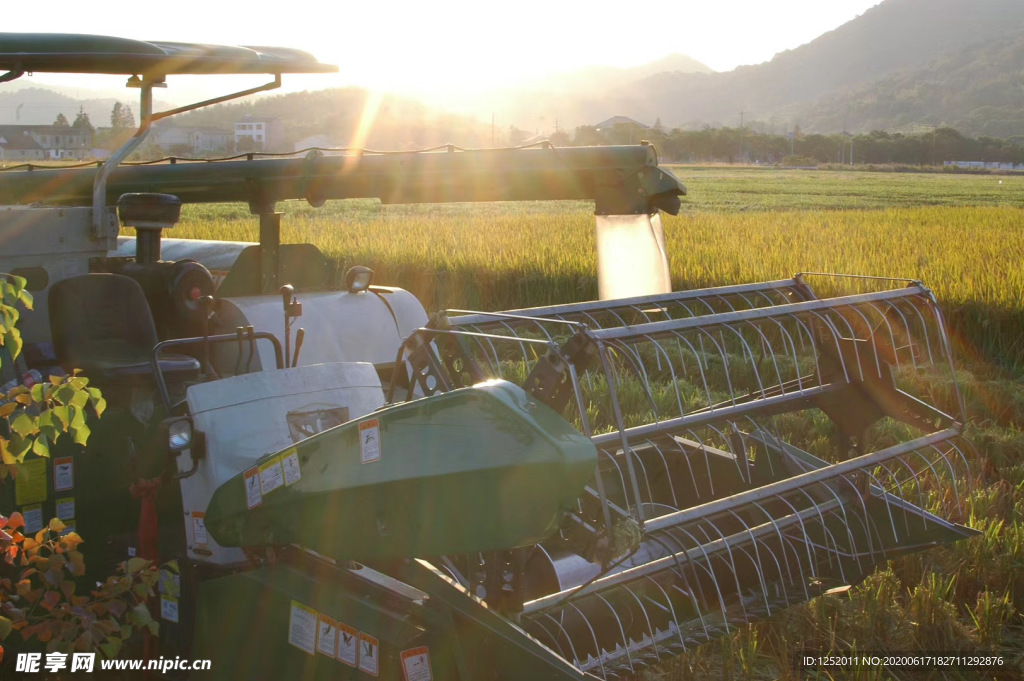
369	441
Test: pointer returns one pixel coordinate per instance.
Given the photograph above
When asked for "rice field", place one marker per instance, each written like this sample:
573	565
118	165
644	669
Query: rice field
962	235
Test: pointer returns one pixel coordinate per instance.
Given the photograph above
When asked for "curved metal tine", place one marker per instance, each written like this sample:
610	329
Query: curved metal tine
647	618
834	332
725	301
866	519
828	533
660	350
689	464
940	324
727	445
643	472
746	349
622	479
769	350
668	472
711	571
953	476
700	365
725	361
687	590
811	555
622	630
705	303
593	636
841	512
671	611
782	542
834	557
555	639
750	305
632	359
909	336
792	346
757	559
493	357
952	472
839	312
917	482
755	428
889	305
871	332
924	328
809	333
863	504
522	346
885	494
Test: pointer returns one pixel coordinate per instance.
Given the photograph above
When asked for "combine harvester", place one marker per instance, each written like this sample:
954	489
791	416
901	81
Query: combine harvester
566	492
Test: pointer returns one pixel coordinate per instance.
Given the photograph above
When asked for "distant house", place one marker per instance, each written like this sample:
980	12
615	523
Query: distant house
620	120
37	142
260	132
195	140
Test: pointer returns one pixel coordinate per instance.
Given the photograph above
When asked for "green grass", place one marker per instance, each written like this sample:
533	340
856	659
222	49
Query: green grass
962	235
724	188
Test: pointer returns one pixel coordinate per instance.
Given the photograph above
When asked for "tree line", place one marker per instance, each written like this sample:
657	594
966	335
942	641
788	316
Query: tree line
744	145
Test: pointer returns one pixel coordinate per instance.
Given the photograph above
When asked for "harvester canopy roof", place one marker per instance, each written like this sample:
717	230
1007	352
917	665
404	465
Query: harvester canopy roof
78	53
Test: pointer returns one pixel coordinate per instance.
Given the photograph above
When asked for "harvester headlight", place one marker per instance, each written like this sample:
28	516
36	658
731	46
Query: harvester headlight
358	279
179	435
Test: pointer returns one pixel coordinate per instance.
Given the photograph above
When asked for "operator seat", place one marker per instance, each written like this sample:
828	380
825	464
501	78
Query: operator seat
101	324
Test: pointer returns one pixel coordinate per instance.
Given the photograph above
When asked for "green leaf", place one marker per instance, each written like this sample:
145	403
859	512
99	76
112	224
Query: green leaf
64	414
64	394
12	341
77	417
80	399
41	447
26	299
5	627
81	434
136	564
141	614
111	647
24	425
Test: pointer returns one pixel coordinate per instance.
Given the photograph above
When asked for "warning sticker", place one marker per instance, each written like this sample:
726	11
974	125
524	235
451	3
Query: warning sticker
290	464
199	528
169	581
63	474
348	644
369	651
33	516
253	496
416	664
327	635
66	508
271	476
369	441
168	608
302	627
30	485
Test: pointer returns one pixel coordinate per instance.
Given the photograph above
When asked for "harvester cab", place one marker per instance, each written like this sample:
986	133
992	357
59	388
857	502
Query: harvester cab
581	490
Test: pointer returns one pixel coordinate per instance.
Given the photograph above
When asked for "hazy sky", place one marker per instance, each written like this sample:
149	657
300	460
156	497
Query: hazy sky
432	45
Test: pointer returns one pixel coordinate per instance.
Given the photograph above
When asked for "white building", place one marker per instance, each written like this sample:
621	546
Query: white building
262	133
